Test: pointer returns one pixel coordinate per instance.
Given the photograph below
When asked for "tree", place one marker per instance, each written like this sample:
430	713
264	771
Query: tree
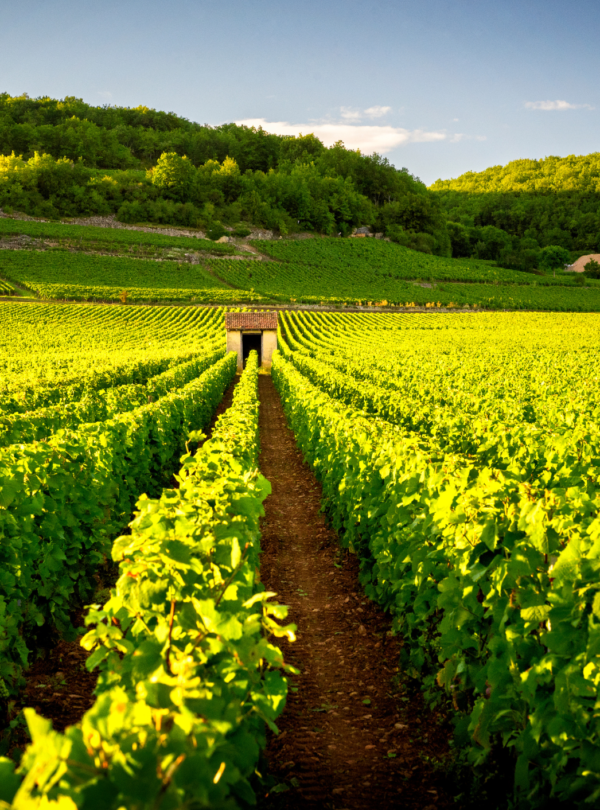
592	269
173	173
553	257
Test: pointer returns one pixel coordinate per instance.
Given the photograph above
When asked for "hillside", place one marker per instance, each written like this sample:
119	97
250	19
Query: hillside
510	213
552	174
67	158
55	261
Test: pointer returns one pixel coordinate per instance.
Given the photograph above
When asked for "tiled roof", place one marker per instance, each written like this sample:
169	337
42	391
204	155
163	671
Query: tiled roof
250	320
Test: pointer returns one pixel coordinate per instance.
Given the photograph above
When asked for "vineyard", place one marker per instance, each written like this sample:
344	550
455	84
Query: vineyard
54	261
98	406
6	288
82	277
458	460
455	458
387	260
299	467
367	284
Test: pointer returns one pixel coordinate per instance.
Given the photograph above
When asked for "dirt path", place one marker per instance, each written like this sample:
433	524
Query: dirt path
350	736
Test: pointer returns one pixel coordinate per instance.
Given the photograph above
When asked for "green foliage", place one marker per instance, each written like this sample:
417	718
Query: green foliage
188	677
416	221
349	271
535	203
375	257
378	257
77	159
57	353
332	270
63	500
174	174
133	373
551	174
241	231
554	257
99	405
95	346
592	269
119	137
6	288
215	231
457	459
301	149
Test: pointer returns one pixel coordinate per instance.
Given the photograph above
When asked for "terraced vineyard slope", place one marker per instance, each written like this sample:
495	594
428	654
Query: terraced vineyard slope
372	271
81	263
59	274
117	238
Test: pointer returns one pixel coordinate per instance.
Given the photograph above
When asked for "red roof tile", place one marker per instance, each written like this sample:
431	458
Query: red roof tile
250	320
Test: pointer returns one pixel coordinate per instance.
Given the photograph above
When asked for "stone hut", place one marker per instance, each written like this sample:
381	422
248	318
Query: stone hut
252	330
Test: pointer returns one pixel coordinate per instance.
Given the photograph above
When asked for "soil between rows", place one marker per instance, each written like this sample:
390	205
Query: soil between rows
350	736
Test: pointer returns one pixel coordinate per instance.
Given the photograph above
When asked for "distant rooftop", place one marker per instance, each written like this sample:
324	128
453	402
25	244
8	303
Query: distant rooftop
579	265
250	320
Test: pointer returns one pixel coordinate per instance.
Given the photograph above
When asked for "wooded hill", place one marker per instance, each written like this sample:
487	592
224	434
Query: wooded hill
67	158
509	213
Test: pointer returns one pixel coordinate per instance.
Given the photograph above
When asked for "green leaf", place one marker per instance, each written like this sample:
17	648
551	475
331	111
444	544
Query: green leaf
38	726
8	492
596	605
537	613
9	781
147	658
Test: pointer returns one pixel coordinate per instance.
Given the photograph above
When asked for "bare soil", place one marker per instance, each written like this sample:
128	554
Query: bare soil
579	265
58	686
351	735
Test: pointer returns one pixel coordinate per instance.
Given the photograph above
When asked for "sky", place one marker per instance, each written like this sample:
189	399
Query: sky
440	87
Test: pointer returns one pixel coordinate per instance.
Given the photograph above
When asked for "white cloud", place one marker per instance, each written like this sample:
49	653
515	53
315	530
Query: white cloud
348	114
368	139
377	112
556	105
351	114
460	136
105	94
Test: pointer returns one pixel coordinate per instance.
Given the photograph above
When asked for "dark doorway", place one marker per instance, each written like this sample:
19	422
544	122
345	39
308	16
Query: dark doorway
251	343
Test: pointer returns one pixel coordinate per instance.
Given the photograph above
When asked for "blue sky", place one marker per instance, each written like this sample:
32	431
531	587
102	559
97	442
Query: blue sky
438	86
